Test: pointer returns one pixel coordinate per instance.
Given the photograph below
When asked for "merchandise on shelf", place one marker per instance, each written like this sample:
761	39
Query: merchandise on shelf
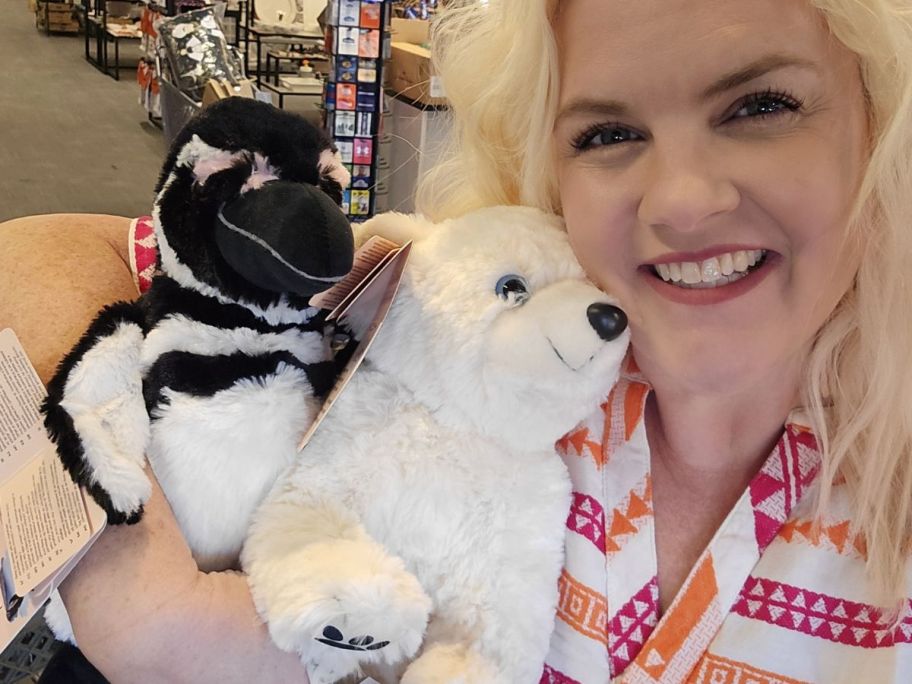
358	41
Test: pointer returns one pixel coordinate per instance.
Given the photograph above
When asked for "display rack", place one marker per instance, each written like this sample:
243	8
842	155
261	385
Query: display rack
357	40
105	29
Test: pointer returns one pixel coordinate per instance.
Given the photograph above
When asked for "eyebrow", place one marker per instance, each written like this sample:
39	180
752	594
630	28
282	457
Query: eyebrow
755	70
588	106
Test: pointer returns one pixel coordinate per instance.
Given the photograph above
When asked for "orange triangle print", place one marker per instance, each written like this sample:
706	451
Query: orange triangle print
838	534
578	439
633	407
637	508
787	531
860	545
677	626
620	525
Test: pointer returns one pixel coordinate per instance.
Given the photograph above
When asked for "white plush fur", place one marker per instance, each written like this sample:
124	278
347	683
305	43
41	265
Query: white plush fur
330	164
251	433
179	333
58	620
429	508
103	395
263	172
205	160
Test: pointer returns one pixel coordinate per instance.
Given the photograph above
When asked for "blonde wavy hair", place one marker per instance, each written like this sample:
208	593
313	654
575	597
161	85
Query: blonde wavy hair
498	62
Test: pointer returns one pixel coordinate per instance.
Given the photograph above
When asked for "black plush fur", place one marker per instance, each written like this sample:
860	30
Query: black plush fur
187	212
290	143
204	376
167	298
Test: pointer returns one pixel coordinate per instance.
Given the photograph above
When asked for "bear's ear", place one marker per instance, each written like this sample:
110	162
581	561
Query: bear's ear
400	228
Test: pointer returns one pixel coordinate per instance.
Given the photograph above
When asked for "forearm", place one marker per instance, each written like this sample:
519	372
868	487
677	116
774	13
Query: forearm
142	612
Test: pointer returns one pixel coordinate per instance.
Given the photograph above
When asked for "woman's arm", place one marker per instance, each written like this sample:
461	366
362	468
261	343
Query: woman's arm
140	609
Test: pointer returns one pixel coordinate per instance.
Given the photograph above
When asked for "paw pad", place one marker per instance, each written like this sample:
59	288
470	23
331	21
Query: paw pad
332	636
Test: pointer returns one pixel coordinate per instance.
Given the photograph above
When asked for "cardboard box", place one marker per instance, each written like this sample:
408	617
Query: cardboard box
411	74
56	11
220	90
57	17
415	31
409	71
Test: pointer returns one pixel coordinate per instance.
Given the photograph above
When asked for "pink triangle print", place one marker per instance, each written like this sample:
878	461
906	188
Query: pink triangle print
779	485
632	625
825	617
587	519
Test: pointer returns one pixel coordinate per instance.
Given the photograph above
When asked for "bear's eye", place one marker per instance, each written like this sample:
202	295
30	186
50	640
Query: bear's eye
512	288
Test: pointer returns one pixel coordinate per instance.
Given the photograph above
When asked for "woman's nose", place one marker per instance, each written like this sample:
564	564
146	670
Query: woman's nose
683	188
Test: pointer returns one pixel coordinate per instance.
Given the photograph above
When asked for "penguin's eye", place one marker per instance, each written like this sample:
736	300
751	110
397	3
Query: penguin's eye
513	288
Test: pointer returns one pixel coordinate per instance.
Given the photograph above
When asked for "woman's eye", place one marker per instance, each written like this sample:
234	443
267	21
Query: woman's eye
766	104
604	136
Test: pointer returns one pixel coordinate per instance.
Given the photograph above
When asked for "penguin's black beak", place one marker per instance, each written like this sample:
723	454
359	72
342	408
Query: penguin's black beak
286	237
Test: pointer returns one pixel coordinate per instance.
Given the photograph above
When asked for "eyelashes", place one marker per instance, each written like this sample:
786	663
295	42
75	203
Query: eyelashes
603	135
768	103
756	107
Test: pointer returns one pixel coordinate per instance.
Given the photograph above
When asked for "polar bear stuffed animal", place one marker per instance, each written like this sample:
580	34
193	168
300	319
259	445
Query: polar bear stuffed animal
427	514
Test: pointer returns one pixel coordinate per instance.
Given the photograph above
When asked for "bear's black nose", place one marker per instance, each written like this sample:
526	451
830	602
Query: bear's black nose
607	320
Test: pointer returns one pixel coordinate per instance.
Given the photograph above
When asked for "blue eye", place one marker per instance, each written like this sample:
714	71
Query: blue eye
602	135
513	288
766	104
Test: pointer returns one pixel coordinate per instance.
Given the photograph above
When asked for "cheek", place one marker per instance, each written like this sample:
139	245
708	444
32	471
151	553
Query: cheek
814	205
597	225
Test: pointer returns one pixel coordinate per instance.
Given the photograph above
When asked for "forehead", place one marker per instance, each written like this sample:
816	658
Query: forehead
624	44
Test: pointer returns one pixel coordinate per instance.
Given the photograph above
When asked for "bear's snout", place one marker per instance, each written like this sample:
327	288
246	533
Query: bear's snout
607	320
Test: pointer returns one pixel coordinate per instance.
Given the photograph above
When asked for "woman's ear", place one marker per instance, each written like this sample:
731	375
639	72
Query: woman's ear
400	228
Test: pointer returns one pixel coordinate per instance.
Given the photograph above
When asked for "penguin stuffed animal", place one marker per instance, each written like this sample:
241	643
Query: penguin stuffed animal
218	369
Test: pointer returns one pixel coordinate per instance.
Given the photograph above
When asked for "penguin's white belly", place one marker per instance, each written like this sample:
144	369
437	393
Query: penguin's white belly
217	456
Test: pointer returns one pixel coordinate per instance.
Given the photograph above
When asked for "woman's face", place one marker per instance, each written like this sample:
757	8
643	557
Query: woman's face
708	155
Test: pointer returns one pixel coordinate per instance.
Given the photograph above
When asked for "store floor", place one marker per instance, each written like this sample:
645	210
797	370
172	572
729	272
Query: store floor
71	138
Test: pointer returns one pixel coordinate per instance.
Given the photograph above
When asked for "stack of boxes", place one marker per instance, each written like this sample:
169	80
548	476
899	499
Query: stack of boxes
56	17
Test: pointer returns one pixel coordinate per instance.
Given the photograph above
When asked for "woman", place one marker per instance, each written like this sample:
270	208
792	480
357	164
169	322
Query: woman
738	174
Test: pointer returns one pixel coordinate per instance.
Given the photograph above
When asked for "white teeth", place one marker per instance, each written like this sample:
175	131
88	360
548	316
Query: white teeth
690	273
712	272
740	260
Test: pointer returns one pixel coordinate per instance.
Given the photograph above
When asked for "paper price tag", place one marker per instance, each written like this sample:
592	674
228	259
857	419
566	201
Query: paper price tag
363	311
437	87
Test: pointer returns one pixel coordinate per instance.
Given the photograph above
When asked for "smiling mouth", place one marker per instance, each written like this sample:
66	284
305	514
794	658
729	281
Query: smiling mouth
716	271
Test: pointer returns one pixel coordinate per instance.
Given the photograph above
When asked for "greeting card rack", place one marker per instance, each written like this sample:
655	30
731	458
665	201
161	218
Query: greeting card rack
357	40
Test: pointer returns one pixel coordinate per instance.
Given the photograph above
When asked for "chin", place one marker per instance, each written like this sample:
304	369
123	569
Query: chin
705	364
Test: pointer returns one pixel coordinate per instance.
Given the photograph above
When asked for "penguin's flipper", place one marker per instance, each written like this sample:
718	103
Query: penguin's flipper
96	414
